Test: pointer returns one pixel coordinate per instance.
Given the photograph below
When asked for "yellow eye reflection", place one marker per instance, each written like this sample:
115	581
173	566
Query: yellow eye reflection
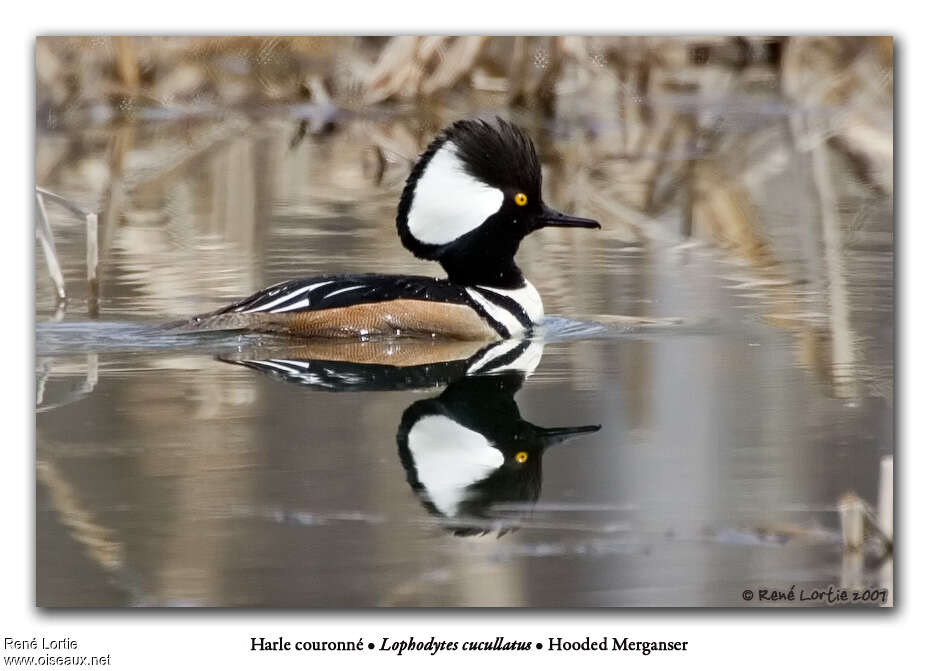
522	457
520	199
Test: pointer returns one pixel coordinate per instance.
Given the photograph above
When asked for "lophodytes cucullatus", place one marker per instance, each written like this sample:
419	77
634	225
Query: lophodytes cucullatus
379	365
472	459
469	456
472	196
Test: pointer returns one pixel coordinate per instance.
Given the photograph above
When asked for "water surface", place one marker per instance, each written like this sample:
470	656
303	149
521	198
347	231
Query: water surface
740	387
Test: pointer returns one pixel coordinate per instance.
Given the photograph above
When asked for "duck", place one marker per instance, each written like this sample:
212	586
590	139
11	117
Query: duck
470	199
470	458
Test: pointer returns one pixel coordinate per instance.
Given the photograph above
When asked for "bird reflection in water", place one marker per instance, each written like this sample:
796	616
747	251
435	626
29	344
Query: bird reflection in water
468	454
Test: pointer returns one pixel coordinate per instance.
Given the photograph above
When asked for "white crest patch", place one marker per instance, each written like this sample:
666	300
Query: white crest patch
449	457
448	202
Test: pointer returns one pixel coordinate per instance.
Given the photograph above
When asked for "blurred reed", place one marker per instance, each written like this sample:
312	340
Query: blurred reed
669	139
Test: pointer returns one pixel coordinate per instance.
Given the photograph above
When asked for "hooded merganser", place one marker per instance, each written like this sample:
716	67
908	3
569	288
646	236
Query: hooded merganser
399	365
467	452
472	196
469	455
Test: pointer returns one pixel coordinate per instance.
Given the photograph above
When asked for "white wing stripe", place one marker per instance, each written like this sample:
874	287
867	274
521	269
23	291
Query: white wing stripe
292	306
269	364
286	297
339	291
290	362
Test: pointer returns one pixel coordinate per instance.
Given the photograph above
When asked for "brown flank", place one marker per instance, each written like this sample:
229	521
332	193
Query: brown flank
408	316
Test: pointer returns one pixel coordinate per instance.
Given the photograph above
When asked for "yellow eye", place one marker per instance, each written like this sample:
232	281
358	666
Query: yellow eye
520	199
522	457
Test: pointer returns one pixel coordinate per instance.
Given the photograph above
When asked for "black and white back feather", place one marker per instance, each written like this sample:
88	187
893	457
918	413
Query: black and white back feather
519	356
508	312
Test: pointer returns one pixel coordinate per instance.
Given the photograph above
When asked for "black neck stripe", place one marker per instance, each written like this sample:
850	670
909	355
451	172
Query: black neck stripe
509	304
501	330
501	361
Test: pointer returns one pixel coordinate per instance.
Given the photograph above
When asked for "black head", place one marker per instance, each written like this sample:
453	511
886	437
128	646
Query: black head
468	452
472	196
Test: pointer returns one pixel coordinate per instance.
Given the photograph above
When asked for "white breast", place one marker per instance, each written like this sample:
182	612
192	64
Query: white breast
448	202
526	362
527	297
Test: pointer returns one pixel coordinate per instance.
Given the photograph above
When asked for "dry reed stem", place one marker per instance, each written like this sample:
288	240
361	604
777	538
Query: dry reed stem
47	240
96	539
91	240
